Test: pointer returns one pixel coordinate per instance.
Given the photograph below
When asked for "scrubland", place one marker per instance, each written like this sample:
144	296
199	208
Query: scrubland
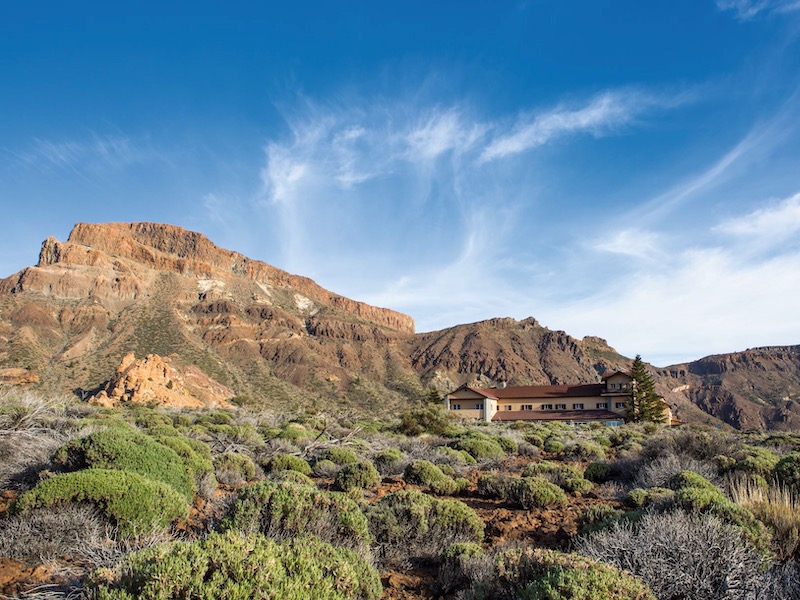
145	503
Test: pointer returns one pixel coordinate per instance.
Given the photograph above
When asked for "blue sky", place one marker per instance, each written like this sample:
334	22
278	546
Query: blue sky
623	169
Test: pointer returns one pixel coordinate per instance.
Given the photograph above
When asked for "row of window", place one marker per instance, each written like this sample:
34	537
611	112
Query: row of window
577	406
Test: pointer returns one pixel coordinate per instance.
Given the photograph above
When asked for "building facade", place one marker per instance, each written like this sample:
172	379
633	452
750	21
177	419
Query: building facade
604	402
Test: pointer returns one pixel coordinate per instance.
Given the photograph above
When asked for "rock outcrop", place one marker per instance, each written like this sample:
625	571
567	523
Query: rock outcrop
155	381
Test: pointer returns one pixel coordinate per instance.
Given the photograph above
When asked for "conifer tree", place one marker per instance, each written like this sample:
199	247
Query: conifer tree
644	404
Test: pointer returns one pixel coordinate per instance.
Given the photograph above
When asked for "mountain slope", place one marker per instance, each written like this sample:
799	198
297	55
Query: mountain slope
281	340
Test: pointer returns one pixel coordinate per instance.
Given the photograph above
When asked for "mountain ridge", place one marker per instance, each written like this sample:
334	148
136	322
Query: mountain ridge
282	339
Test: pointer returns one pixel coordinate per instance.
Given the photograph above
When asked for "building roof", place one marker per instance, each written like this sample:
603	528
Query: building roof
556	415
523	392
609	374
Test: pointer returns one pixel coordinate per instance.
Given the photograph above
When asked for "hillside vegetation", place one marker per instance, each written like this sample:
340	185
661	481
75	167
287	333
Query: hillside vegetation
134	502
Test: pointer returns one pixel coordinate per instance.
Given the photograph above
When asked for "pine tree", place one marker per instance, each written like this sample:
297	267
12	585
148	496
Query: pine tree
644	403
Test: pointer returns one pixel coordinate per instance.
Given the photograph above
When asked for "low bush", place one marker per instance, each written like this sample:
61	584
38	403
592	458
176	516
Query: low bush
564	476
45	534
325	468
339	456
481	449
412	526
389	461
639	497
538	574
598	516
509	445
526	492
124	449
455	457
284	509
454	569
757	461
358	476
429	418
135	503
787	470
707	558
239	567
776	506
597	472
232	468
553	446
423	472
286	462
291	477
584	450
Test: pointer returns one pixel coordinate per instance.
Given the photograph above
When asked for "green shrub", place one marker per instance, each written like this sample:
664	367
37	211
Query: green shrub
537	574
508	445
387	458
136	503
481	449
598	516
598	472
287	462
358	476
339	456
127	450
291	477
694	492
236	567
458	457
788	470
293	432
553	446
325	468
409	525
603	441
584	450
526	492
564	476
282	509
430	418
423	472
195	454
239	465
534	440
757	461
639	497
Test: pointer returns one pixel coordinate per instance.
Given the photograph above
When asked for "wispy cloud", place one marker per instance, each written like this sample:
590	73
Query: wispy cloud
774	223
744	10
634	242
601	115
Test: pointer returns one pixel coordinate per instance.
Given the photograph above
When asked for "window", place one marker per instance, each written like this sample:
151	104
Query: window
620	405
602	405
527	407
455	406
508	407
547	407
479	406
561	407
577	407
612	386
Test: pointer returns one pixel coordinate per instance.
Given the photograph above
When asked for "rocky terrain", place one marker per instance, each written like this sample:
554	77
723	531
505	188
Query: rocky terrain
270	337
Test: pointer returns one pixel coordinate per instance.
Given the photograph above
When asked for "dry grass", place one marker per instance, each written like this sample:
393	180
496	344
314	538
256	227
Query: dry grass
777	506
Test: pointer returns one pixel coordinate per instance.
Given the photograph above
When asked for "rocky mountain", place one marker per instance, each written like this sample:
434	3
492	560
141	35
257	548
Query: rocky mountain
755	389
242	327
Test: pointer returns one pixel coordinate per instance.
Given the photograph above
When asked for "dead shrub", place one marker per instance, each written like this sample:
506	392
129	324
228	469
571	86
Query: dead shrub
46	534
659	471
776	506
680	556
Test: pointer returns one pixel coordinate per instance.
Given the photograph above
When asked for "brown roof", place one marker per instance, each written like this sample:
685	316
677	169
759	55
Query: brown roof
608	374
542	391
556	415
